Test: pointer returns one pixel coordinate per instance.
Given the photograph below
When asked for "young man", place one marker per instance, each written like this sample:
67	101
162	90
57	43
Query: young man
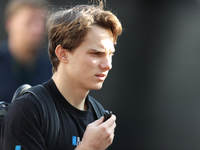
22	60
81	45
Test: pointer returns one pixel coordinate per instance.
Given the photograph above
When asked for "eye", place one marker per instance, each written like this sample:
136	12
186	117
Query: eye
96	53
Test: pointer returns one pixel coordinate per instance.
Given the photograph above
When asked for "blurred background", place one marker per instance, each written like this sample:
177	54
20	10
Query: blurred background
154	86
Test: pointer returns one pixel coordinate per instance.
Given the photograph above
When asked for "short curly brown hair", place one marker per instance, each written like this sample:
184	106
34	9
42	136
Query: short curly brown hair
68	27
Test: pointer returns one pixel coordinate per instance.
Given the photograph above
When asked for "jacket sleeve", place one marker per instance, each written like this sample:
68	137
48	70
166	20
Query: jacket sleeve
23	125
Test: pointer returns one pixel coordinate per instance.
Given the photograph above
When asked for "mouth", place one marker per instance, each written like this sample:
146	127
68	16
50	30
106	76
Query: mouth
101	77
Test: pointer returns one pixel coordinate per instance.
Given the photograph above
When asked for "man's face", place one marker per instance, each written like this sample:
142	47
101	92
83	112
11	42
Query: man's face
27	26
89	64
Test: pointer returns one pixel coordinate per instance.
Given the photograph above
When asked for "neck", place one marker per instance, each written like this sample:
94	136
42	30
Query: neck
72	93
22	53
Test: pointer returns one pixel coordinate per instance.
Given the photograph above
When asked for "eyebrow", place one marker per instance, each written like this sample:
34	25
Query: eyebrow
101	50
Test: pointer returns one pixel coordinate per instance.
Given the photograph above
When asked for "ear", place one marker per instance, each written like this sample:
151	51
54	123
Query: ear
62	54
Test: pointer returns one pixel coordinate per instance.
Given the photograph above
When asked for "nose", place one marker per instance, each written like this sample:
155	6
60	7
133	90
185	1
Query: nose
106	63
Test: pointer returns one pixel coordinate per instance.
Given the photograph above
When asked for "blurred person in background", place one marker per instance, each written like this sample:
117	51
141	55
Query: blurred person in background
22	58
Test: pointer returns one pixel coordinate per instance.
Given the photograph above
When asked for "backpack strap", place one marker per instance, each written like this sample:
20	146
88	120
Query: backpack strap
52	124
20	91
98	108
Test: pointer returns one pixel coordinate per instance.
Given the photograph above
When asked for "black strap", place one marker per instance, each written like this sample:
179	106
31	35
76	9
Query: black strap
51	119
20	91
98	108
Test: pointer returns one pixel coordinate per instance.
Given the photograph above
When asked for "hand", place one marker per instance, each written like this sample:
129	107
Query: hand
98	135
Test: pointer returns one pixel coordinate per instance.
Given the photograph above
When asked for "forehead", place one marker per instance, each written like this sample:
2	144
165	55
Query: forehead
100	39
27	10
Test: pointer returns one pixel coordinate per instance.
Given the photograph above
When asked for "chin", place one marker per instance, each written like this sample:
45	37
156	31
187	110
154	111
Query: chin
97	86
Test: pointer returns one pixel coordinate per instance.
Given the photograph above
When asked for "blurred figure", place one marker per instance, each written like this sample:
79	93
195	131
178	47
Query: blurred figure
21	58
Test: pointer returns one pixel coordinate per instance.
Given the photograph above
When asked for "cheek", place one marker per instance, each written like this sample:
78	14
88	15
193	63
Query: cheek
87	66
15	28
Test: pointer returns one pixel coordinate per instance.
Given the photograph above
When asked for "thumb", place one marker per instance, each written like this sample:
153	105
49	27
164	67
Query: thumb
99	121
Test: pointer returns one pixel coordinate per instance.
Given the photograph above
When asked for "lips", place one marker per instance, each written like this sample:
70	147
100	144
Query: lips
101	77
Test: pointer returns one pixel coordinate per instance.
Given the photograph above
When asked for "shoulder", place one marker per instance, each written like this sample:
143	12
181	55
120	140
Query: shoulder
23	124
26	99
24	113
26	106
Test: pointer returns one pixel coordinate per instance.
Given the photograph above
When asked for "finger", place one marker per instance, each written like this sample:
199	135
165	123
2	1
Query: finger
110	121
112	128
111	138
98	122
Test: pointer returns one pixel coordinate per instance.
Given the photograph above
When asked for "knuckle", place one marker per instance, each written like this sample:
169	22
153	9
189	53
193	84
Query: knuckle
108	134
104	128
